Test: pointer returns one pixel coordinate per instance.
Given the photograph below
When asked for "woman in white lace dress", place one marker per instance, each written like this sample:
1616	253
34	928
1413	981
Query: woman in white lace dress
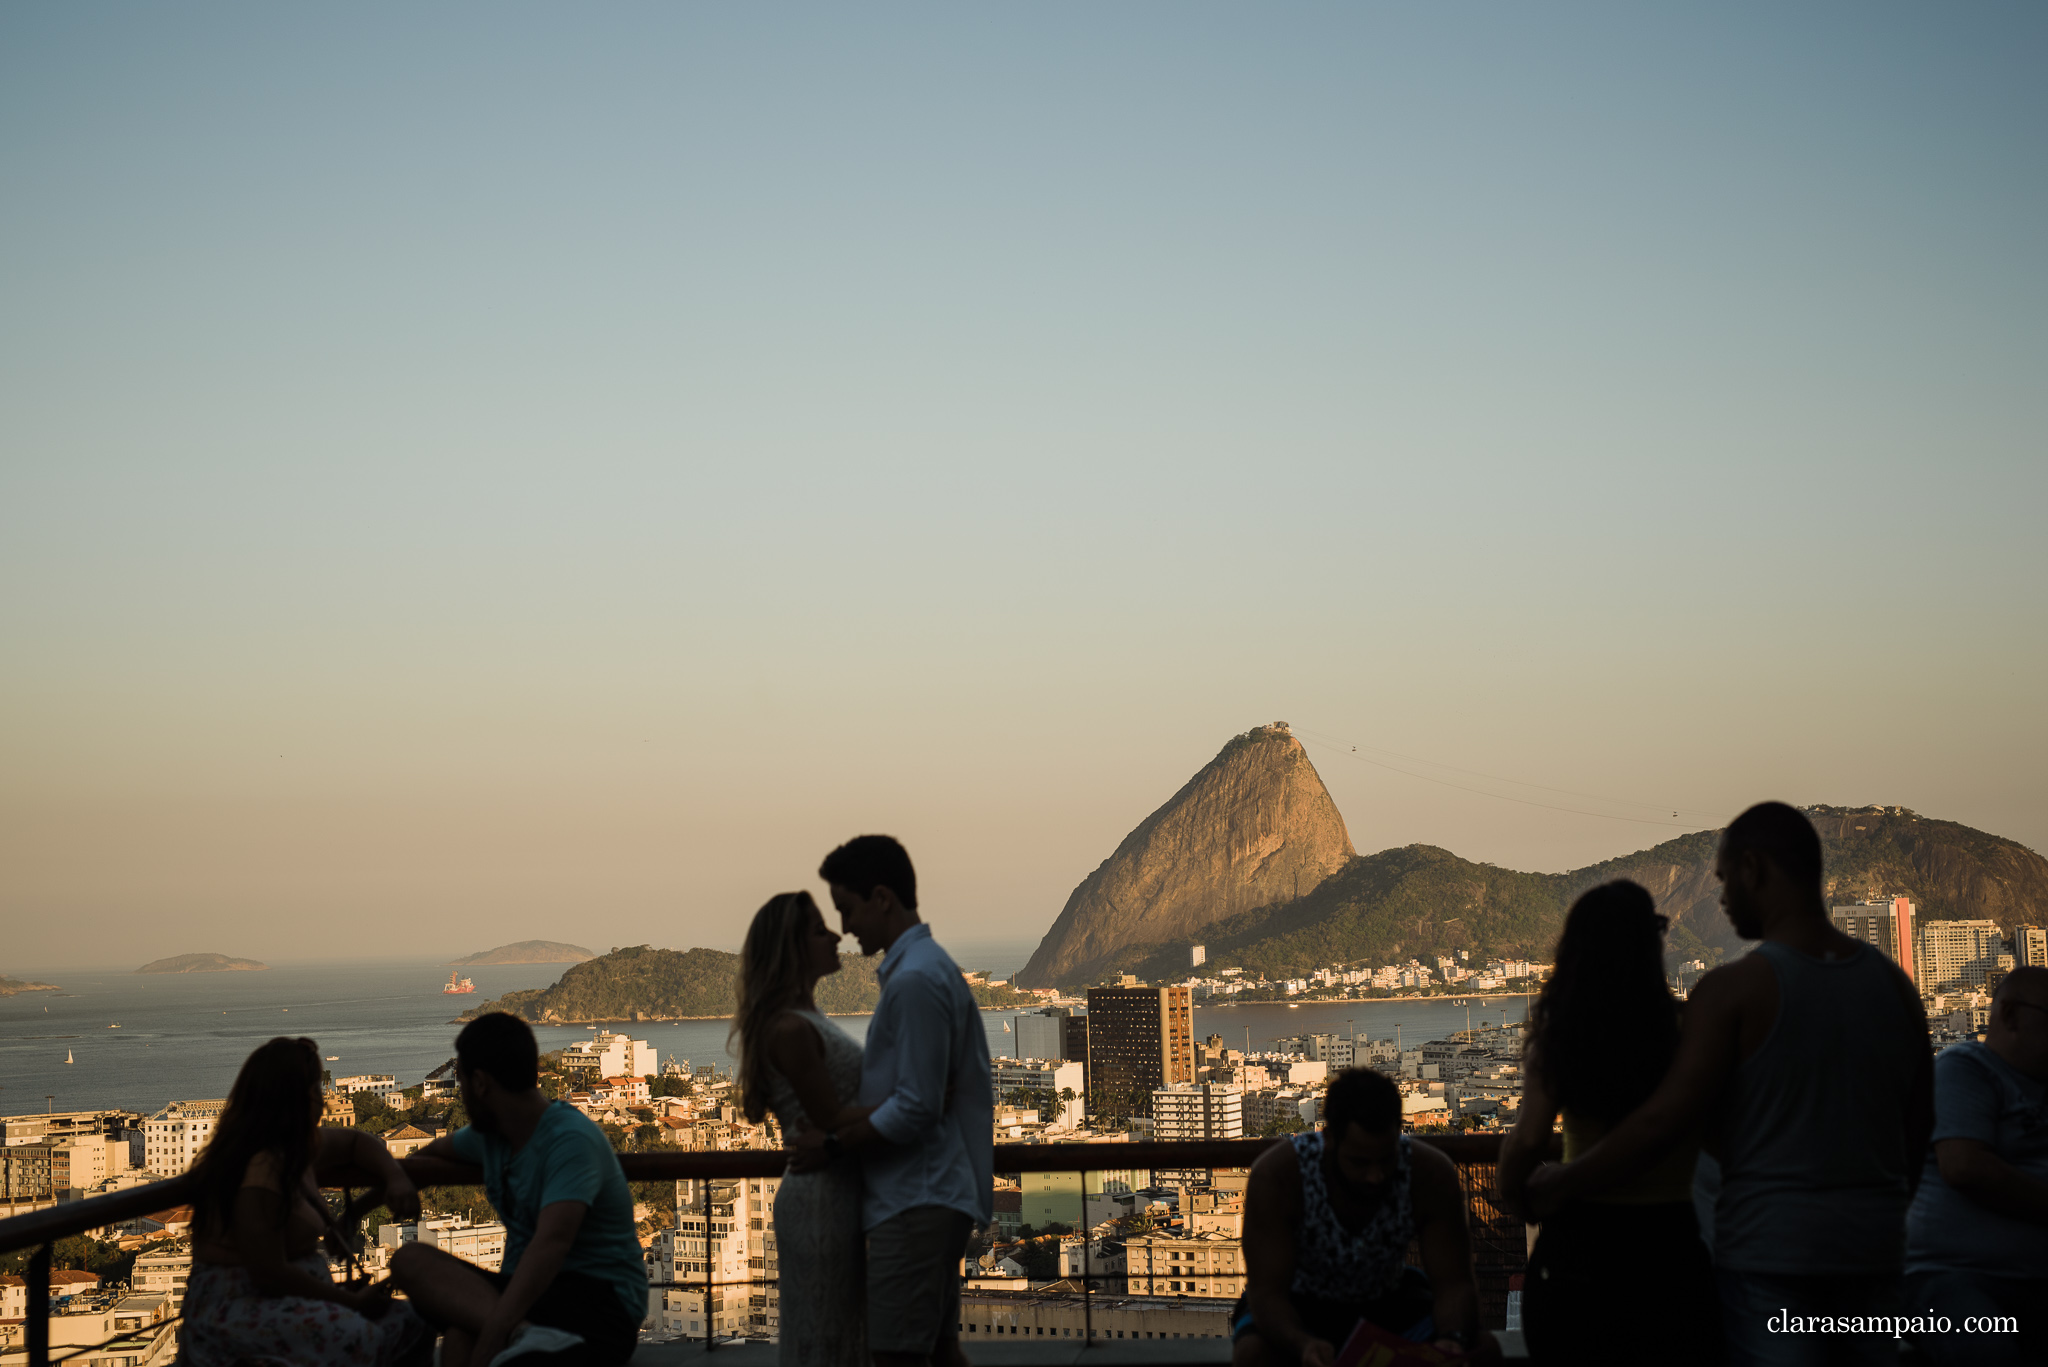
798	1064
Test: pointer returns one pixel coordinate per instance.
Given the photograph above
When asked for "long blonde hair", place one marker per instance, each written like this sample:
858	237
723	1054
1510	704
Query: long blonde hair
771	977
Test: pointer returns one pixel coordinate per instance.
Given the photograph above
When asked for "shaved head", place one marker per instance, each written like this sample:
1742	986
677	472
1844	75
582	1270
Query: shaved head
2029	984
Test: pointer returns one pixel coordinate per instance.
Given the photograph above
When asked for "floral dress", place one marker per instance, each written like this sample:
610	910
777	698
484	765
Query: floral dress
228	1319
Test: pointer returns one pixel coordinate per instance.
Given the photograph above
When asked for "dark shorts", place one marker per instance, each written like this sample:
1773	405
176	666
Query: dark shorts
1405	1310
914	1279
1605	1275
582	1305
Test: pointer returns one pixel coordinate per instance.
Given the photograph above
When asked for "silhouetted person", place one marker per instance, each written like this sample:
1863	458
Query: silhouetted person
924	1120
1621	1269
1807	1063
573	1287
1977	1236
260	1289
1328	1220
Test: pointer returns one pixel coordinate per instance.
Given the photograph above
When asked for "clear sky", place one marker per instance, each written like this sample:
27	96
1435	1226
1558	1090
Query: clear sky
471	473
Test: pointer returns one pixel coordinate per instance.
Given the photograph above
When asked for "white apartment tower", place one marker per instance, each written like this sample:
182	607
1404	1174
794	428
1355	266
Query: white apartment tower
1206	1110
173	1137
1952	954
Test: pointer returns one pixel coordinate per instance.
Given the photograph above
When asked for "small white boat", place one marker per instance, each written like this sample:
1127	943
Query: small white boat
334	1058
67	1056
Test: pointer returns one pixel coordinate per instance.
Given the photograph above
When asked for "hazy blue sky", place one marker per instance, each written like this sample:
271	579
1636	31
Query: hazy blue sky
485	472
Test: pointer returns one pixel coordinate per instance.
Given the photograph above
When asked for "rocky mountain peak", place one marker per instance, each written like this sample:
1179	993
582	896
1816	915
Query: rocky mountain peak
1254	828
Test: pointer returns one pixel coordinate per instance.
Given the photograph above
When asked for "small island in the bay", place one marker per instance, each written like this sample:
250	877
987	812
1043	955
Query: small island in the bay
528	952
10	986
201	963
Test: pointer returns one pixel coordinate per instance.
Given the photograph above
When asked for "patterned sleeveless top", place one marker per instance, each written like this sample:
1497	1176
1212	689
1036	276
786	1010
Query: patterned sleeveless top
1332	1263
842	1065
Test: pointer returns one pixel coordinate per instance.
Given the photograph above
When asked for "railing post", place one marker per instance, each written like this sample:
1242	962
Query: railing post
39	1307
1087	1272
704	1205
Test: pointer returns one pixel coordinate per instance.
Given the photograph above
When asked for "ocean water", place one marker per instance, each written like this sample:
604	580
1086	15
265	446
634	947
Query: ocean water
142	1040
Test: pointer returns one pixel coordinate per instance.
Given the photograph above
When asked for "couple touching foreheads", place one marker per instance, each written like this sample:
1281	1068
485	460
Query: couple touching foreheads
891	1143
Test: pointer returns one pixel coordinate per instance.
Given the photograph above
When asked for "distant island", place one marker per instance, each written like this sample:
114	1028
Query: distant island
529	952
10	986
201	963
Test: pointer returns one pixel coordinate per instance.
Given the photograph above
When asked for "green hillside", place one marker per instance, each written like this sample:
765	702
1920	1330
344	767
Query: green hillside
1417	901
640	983
1422	901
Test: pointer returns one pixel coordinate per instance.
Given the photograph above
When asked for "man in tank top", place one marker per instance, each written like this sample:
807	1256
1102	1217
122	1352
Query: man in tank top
1328	1221
1807	1065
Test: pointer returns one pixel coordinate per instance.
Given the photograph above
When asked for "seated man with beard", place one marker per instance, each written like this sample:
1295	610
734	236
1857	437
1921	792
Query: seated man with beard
573	1290
1328	1220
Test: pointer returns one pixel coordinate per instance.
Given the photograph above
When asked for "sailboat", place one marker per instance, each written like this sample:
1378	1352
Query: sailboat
67	1056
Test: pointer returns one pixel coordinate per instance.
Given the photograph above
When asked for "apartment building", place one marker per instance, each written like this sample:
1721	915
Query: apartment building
1167	1264
173	1137
2030	946
25	1173
999	1317
1954	954
725	1231
1043	1077
1139	1039
483	1245
164	1272
611	1055
1200	1110
384	1086
81	1163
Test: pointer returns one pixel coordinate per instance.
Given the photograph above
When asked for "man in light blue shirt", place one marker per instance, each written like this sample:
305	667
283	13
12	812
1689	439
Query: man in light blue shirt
926	1141
1977	1234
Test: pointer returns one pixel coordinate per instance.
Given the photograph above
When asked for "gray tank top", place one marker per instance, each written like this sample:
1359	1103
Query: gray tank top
1813	1154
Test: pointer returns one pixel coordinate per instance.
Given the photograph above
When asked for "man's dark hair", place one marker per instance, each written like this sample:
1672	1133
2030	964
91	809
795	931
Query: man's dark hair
867	862
1783	835
1360	1096
502	1046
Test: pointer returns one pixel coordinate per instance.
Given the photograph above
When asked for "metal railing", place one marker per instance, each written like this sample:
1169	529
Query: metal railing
1498	1238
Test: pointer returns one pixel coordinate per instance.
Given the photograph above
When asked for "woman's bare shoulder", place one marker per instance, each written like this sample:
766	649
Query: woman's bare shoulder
264	1171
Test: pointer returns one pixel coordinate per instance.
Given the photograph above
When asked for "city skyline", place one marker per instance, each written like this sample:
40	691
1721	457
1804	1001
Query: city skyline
479	475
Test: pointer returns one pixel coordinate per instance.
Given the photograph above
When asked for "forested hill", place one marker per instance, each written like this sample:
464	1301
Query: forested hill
639	983
1421	901
1415	901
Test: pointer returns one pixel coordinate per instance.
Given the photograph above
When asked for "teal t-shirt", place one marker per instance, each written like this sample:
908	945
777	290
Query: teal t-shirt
566	1159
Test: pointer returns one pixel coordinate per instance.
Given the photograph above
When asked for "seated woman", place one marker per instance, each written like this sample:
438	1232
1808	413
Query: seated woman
260	1286
1624	1269
1328	1219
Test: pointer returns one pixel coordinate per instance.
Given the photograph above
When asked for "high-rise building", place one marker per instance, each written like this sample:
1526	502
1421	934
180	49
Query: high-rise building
1952	954
1139	1040
1076	1047
1886	923
1041	1035
2030	946
1198	955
